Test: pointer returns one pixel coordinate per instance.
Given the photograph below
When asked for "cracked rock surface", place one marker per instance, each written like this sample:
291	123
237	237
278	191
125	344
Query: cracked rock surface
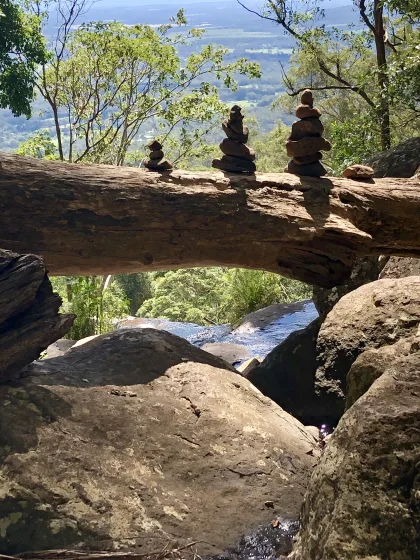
138	438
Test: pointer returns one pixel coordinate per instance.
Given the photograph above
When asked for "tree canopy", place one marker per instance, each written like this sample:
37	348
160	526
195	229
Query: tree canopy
22	48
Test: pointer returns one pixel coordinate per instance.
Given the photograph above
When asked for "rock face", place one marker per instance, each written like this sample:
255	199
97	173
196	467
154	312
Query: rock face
364	497
306	142
137	438
287	376
401	161
364	270
400	267
238	157
374	315
29	318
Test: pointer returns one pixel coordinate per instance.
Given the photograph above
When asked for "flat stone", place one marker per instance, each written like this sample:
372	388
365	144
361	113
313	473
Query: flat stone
158	164
237	126
156	154
154	145
238	136
357	171
234	164
305	111
307	146
307	127
315	169
302	160
232	148
307	98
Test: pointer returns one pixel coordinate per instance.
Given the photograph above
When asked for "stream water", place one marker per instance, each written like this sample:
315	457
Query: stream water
259	337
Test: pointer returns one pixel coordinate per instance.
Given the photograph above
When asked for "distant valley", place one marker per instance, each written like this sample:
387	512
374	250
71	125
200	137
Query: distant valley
226	23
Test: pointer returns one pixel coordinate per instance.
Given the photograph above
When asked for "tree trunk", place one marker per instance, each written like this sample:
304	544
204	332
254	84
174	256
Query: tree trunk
383	80
91	219
29	319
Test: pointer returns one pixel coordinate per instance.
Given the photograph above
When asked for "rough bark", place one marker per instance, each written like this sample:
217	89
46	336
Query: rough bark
86	219
29	319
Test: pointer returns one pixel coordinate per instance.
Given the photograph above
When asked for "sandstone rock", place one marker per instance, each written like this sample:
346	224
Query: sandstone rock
231	353
234	165
287	376
158	164
315	169
138	433
314	431
312	158
374	315
306	127
365	270
157	161
154	145
363	500
306	112
307	146
238	157
307	97
370	365
232	148
400	161
157	154
241	137
246	367
357	171
59	348
400	267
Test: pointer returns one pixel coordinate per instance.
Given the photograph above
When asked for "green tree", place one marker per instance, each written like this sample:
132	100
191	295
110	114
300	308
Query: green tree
106	80
136	287
38	145
22	48
270	149
355	62
96	305
192	295
217	295
250	290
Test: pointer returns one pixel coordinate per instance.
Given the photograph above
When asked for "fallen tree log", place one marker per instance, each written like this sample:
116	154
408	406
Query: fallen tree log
88	219
29	319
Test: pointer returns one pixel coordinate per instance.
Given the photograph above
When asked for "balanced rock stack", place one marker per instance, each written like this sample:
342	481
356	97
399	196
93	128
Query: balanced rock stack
238	157
157	160
306	142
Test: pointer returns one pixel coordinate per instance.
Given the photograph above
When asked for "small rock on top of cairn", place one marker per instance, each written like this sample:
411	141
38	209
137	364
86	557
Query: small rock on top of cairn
306	142
238	157
358	171
157	160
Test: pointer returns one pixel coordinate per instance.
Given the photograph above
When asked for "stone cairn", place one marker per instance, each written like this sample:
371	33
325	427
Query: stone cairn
238	157
157	160
306	142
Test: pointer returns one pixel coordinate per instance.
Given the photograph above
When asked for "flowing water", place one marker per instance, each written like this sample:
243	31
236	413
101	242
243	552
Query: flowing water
259	340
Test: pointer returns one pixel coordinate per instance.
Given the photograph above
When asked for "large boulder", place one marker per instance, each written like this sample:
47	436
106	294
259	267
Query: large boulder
364	270
402	160
287	376
363	500
137	439
374	315
400	267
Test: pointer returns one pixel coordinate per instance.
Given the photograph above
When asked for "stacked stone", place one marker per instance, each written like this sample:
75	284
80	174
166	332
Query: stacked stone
306	142
238	157
157	160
